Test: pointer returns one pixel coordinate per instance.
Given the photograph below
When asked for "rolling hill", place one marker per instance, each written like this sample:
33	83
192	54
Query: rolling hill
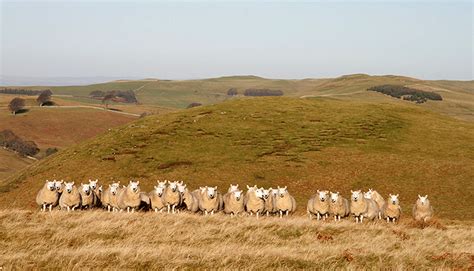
306	144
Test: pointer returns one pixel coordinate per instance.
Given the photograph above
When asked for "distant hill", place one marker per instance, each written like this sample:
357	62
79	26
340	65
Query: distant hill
305	144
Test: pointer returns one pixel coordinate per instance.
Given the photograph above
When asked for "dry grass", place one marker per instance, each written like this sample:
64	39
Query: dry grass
96	239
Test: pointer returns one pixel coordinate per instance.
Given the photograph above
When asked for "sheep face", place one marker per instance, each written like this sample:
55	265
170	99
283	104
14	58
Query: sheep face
211	192
86	188
334	197
93	184
59	186
134	186
368	194
162	184
423	200
259	193
50	185
233	187
69	186
323	195
282	191
173	186
356	195
237	194
394	199
266	193
181	187
159	190
113	188
274	191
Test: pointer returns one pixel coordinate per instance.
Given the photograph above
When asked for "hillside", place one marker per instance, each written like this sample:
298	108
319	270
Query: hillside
306	144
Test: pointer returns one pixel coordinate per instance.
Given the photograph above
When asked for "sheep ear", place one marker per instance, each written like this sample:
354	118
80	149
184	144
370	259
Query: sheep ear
390	195
237	186
184	186
278	187
110	185
426	196
130	182
72	183
248	187
118	182
46	181
397	195
138	182
419	196
352	191
317	190
215	187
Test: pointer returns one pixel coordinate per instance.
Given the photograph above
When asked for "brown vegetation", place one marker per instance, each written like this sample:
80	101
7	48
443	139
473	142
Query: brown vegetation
30	239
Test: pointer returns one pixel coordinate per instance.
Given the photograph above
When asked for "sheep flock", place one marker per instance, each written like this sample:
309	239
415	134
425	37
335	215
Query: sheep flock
174	197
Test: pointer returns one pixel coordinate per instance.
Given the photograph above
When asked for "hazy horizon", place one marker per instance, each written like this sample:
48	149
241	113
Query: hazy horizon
122	40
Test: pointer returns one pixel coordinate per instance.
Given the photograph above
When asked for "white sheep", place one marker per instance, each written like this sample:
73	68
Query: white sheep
70	198
97	190
285	203
156	198
48	196
233	202
269	200
254	203
362	207
318	205
129	197
87	196
338	206
374	195
109	197
392	209
422	210
209	202
188	199
172	197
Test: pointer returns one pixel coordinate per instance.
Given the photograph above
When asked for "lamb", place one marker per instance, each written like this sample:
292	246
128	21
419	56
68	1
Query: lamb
378	199
172	197
188	199
71	198
338	206
48	196
209	202
284	203
156	198
233	202
422	210
269	200
109	197
254	202
318	205
87	196
129	197
392	209
97	190
362	207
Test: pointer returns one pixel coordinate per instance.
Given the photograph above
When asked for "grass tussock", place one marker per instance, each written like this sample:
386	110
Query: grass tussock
155	241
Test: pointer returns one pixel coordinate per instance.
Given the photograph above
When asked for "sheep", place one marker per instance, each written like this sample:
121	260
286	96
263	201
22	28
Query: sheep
254	202
209	202
188	199
145	202
392	209
71	198
233	188
96	189
372	194
284	203
373	206
109	197
129	197
269	200
87	196
233	202
338	206
171	196
422	210
47	196
318	205
362	207
156	198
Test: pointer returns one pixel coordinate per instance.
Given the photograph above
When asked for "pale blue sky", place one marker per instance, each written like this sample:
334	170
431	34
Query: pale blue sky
208	39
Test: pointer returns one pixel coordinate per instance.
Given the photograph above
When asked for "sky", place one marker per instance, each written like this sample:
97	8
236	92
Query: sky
187	40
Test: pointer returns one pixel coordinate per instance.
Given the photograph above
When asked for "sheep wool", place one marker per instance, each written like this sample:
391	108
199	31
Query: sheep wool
48	196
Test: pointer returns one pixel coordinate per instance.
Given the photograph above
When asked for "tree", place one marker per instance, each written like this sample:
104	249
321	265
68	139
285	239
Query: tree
97	93
16	105
232	92
44	97
107	98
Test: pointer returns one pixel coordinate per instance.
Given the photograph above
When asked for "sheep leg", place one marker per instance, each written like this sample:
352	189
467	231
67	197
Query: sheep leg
212	212
43	207
357	219
173	207
156	210
50	208
338	218
287	212
380	215
318	216
133	210
388	219
268	213
68	209
361	218
281	214
205	213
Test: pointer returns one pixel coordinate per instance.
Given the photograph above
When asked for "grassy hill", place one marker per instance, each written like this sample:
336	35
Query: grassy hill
306	144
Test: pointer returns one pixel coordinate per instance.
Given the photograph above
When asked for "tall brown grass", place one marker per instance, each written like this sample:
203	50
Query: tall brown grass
154	241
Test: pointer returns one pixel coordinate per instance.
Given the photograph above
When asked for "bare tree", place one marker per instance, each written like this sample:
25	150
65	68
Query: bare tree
44	97
16	105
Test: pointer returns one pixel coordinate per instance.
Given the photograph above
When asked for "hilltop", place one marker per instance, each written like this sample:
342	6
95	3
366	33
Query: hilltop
306	144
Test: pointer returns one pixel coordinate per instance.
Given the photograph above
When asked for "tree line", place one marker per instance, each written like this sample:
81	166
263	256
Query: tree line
406	93
19	91
127	96
256	92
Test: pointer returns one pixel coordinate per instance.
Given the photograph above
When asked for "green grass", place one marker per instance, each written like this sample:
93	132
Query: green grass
307	144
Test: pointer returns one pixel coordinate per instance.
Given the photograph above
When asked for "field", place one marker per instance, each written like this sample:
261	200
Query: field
97	240
306	144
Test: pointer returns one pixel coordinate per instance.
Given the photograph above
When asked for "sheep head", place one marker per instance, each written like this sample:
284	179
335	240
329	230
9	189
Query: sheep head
334	197
134	186
394	199
356	195
423	199
69	186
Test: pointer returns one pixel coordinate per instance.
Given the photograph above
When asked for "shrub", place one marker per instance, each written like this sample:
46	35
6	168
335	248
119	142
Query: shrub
44	98
16	105
12	142
191	105
50	151
406	93
232	92
262	92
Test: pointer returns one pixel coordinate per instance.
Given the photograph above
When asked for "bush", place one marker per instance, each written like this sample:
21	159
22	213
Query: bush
406	93
191	105
44	98
16	105
12	142
50	151
232	92
262	92
128	96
